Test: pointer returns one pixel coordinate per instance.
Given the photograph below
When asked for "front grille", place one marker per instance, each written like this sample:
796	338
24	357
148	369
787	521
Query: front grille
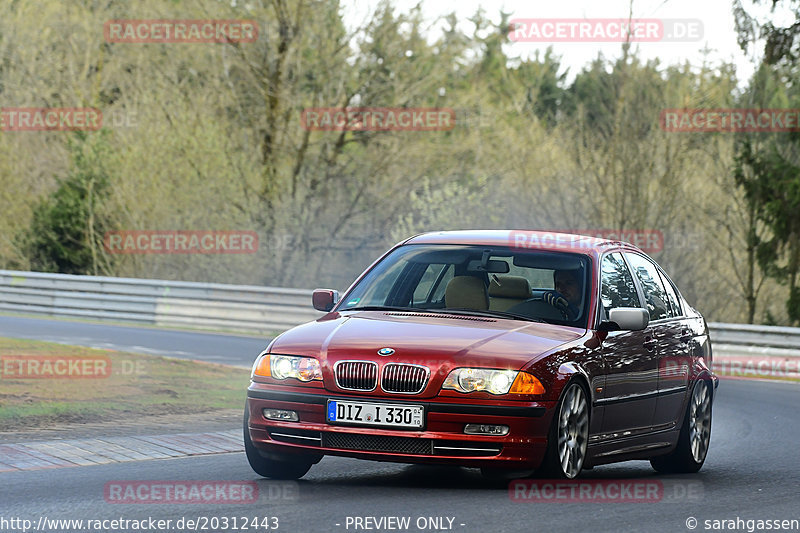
408	445
377	443
356	375
402	378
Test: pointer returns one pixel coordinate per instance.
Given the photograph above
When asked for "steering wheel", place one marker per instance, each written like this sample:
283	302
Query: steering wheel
560	303
538	308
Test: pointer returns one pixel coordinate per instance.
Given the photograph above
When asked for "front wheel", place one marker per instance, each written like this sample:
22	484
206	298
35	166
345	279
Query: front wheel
569	435
692	448
274	466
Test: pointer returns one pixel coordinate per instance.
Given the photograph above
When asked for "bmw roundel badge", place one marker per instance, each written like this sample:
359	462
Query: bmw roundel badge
385	352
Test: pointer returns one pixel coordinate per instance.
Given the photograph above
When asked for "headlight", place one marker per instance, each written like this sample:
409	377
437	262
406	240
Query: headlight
287	366
492	381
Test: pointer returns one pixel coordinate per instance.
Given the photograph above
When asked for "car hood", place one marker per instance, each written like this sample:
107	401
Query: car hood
440	342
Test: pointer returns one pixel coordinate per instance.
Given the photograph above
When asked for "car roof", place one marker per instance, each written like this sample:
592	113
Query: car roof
525	239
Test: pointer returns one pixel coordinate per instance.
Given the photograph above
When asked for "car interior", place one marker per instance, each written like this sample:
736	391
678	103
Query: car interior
466	292
506	291
473	278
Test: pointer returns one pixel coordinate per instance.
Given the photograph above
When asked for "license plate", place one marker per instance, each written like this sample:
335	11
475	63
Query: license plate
375	414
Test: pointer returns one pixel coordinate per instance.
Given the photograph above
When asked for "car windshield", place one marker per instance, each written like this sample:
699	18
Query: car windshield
497	281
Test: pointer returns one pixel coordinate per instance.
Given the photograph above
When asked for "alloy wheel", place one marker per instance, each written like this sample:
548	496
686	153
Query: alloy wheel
573	431
700	422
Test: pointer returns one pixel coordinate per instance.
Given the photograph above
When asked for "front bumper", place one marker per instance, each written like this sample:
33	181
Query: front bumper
441	441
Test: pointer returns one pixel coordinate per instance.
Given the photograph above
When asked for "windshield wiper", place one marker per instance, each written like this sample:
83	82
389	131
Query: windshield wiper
382	308
452	310
489	312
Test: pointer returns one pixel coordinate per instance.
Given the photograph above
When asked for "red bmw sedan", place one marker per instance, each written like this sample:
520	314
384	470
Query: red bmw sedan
501	350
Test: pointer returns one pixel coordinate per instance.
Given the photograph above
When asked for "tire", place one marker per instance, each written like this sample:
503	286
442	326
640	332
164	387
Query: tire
692	448
275	466
569	435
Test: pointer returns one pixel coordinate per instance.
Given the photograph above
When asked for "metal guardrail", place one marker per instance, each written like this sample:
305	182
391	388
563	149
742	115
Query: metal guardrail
251	309
747	340
242	308
751	335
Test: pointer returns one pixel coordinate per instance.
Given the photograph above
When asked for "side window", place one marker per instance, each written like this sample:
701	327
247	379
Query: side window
672	297
441	283
429	277
616	284
654	292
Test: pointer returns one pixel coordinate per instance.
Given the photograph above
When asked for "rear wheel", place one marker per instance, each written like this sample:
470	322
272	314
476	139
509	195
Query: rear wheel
692	448
569	435
275	466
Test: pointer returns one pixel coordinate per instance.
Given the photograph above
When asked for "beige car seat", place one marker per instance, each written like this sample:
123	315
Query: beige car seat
466	292
511	290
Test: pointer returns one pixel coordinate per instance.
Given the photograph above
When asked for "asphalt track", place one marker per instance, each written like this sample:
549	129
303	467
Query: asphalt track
209	347
752	473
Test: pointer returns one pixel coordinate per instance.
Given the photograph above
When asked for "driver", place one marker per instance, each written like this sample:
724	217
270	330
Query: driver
567	294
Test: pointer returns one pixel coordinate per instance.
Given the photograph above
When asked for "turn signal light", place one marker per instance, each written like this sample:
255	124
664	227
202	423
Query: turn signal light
263	367
526	384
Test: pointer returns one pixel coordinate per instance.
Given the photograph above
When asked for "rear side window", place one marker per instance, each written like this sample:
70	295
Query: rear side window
672	297
616	284
655	295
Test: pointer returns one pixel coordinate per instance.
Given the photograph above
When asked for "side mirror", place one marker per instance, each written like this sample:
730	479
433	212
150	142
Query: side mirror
626	319
324	299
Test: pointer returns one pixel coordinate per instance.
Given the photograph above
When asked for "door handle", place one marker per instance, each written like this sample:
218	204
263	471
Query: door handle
649	344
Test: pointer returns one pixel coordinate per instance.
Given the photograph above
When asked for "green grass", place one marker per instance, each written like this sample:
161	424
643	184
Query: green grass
137	386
